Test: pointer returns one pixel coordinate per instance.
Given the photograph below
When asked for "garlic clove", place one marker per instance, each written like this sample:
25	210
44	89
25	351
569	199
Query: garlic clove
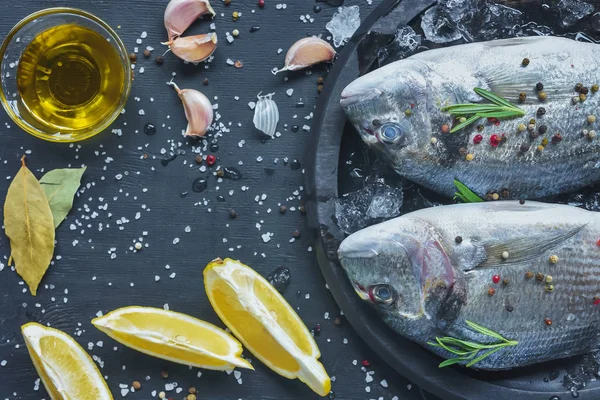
180	14
194	49
198	110
266	115
306	52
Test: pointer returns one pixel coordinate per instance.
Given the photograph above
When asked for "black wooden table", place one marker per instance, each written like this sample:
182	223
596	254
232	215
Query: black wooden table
131	193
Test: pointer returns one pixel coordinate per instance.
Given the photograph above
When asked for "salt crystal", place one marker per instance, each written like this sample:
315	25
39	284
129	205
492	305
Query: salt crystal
343	24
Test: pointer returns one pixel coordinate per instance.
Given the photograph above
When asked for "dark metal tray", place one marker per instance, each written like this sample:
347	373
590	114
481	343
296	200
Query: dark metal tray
322	161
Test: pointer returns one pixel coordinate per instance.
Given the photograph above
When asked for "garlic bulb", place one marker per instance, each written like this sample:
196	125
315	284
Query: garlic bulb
180	14
266	115
194	49
306	52
198	110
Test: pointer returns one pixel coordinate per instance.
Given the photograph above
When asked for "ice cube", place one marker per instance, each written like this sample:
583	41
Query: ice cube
406	42
343	24
572	11
438	28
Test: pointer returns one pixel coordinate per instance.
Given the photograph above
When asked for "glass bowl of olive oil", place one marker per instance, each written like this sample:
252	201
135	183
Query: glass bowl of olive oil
65	75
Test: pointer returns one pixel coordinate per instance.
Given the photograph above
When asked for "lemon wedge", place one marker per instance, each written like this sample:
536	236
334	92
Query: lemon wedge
265	323
174	337
67	371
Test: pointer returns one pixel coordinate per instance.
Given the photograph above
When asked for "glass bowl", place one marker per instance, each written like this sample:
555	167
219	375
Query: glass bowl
16	43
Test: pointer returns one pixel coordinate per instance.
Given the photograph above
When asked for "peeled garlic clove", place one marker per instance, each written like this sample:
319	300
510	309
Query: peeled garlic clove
194	49
266	115
198	110
180	14
306	52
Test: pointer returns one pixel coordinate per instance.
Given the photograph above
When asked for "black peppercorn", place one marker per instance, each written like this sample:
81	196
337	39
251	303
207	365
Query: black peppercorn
458	239
132	57
147	53
578	87
160	60
540	111
282	209
296	234
233	214
584	90
525	62
542	129
539	87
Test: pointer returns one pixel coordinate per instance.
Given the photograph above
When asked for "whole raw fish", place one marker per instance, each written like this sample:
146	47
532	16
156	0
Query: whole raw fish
431	271
398	111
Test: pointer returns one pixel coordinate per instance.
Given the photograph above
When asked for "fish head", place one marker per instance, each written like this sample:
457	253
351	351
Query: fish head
388	108
398	267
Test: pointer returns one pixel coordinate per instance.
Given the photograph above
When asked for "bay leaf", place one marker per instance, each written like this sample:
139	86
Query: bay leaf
60	186
29	225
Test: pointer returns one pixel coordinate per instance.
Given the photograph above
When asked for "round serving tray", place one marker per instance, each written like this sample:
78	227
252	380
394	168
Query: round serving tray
322	161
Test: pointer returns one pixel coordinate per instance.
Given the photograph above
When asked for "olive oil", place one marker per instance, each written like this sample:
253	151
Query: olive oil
70	78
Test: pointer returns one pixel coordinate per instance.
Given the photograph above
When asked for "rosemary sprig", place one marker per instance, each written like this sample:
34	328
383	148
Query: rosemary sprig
465	194
499	108
471	351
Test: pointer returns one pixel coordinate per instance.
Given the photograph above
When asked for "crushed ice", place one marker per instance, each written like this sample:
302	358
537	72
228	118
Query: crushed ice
343	24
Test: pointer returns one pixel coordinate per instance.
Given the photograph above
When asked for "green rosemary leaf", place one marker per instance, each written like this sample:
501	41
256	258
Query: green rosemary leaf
453	350
484	355
502	114
466	194
462	343
493	98
485	331
450	361
462	109
463	124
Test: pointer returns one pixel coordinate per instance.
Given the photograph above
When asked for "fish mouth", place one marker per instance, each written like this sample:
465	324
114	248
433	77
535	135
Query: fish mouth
351	95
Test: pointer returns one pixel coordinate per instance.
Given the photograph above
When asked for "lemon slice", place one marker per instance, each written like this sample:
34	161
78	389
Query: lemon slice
67	371
174	337
265	323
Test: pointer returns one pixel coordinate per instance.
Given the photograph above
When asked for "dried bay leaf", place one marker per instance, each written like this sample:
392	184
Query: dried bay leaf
29	225
60	186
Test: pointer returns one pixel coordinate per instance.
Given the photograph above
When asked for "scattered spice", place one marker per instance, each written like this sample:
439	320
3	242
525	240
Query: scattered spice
320	89
238	64
556	138
159	60
539	276
136	385
211	159
540	148
477	139
540	112
235	15
282	209
522	96
296	234
233	214
138	246
539	86
542	129
366	363
459	239
596	300
542	96
505	193
199	159
548	321
462	119
522	201
575	100
496	196
584	90
578	87
205	82
433	140
549	288
227	2
510	308
548	279
496	278
525	62
522	128
505	282
147	53
192	390
594	88
469	157
591	134
261	3
480	128
302	209
191	397
582	97
524	148
494	140
462	151
132	57
491	291
591	119
528	274
504	253
408	112
164	374
235	32
544	141
338	321
531	127
554	259
445	128
320	80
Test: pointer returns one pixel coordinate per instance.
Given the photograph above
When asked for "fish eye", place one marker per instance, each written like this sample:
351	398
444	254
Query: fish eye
390	133
384	294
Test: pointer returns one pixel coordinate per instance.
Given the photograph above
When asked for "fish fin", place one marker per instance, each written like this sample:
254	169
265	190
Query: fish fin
508	83
525	249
